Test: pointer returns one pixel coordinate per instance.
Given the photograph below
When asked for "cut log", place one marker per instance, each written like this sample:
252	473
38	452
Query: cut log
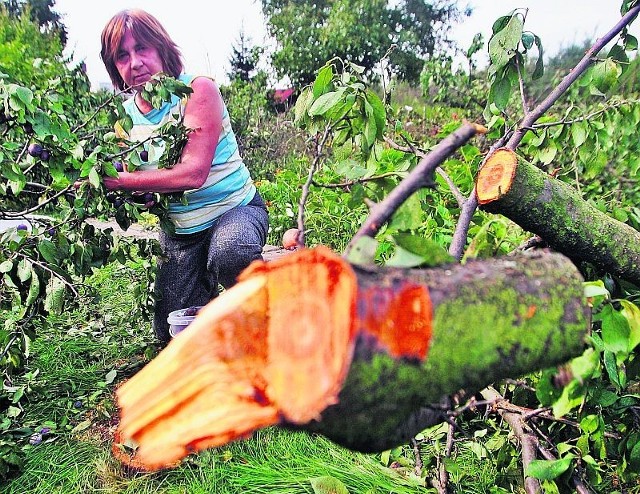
495	177
357	354
556	212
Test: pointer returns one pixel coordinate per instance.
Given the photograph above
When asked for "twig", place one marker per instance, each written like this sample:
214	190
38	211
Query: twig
20	214
453	188
103	105
410	148
351	183
52	272
443	475
584	118
415	444
307	185
525	107
544	413
570	78
9	345
528	441
420	176
467	211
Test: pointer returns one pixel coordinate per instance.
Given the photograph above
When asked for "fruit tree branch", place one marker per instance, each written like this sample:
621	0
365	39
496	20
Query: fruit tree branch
470	206
365	356
421	176
528	441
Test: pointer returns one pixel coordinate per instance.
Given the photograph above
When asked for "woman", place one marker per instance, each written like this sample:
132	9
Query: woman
223	225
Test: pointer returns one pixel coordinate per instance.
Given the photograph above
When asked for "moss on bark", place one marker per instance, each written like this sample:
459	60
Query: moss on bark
492	319
555	211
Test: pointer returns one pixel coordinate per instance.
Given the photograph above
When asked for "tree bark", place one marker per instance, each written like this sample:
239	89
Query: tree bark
491	319
354	353
555	211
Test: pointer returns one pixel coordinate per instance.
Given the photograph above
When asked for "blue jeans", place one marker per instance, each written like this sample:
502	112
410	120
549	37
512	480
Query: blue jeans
191	266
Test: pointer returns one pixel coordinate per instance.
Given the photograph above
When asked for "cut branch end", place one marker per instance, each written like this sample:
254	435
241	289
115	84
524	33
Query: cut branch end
495	177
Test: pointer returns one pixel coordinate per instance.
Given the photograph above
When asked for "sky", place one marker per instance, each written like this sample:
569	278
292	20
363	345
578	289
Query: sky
206	35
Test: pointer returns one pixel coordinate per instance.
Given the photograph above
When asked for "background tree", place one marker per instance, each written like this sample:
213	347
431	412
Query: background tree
361	31
41	12
244	59
24	47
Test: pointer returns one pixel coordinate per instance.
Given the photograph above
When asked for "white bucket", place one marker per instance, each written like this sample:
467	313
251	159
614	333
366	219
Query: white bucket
178	320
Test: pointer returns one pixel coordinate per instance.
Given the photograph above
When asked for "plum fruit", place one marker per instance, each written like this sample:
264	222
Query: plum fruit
191	311
35	149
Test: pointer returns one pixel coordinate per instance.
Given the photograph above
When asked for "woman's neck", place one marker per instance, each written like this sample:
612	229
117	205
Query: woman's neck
143	105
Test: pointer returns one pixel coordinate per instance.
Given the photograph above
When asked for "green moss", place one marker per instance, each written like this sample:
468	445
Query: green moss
499	333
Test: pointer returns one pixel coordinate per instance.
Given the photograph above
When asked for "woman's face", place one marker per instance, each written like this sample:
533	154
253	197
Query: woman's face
137	62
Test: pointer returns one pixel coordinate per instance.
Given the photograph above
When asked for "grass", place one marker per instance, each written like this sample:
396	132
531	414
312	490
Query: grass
76	355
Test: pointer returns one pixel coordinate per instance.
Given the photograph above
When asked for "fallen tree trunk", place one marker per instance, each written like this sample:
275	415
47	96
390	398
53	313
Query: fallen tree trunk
555	211
356	354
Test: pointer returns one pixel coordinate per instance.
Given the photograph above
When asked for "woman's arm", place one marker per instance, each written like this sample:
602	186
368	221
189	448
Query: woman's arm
203	114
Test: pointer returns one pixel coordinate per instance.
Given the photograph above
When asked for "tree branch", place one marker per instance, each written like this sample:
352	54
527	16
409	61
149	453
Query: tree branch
528	441
420	176
462	228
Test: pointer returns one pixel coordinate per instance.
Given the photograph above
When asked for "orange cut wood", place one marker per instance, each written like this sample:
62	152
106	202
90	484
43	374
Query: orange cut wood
400	318
275	347
495	177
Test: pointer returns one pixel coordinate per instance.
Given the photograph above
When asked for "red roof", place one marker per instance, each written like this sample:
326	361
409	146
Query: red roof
282	95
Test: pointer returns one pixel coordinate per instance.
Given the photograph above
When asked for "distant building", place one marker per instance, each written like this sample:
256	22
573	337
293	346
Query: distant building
282	99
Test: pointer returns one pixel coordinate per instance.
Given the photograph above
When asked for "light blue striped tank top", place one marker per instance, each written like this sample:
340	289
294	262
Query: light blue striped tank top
229	183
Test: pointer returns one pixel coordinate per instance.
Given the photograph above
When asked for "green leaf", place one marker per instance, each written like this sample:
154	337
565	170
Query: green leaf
379	111
630	42
500	91
548	154
415	250
500	23
408	216
20	94
54	300
350	169
634	457
94	178
24	270
34	290
325	102
6	266
604	75
302	105
611	367
618	54
504	43
527	40
615	330
579	132
322	84
548	469
571	397
586	365
539	70
48	251
363	251
328	485
632	313
370	131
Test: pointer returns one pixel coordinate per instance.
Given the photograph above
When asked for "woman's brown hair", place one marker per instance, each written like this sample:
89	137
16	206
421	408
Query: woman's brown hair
146	29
